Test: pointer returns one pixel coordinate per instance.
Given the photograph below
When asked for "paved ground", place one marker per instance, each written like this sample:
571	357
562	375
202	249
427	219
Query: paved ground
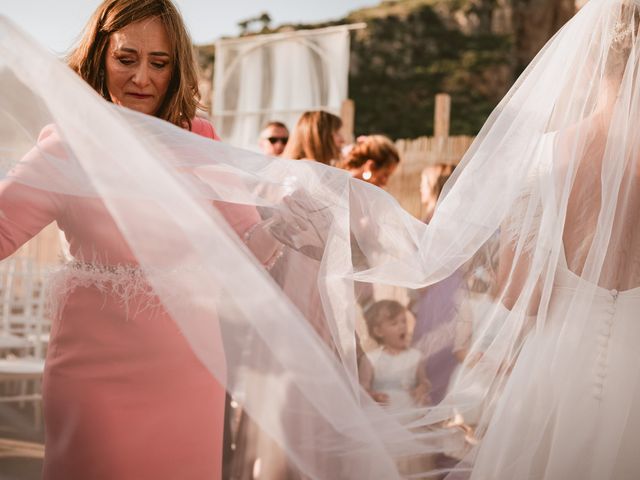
21	444
20	460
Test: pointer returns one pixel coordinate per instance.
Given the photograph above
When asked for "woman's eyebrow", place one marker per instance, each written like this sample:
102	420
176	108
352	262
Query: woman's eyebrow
133	50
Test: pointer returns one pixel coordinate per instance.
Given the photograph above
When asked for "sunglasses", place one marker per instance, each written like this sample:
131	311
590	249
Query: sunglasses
274	140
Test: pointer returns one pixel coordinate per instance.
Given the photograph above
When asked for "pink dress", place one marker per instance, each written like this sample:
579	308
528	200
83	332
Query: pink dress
124	396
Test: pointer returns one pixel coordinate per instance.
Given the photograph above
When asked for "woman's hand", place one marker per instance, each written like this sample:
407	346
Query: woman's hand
381	398
420	394
303	224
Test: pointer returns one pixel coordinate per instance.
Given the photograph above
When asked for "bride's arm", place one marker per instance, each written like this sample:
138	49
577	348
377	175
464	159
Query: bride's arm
512	275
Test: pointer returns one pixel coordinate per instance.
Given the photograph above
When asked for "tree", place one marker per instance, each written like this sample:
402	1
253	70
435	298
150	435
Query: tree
244	27
264	19
399	63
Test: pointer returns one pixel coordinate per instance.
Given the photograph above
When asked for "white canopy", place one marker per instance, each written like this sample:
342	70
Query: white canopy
277	77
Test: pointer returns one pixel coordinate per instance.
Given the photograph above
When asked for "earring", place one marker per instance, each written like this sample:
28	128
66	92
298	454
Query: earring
367	175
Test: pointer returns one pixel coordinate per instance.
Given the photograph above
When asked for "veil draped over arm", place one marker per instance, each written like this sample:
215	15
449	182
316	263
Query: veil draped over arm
546	199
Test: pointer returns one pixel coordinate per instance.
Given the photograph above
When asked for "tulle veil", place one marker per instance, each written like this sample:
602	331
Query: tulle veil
542	207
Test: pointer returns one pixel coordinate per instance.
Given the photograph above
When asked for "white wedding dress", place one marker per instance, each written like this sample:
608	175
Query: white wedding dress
571	393
396	376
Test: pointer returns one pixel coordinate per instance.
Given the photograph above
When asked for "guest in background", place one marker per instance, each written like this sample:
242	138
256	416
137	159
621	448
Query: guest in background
396	374
317	136
431	184
274	138
437	305
373	158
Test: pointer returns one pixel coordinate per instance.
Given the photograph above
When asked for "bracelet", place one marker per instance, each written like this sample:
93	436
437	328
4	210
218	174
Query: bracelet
277	255
246	238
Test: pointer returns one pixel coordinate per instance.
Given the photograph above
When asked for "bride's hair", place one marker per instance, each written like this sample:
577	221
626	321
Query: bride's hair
622	37
88	57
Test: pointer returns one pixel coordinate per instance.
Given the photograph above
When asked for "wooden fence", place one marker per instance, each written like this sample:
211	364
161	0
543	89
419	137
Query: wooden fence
422	152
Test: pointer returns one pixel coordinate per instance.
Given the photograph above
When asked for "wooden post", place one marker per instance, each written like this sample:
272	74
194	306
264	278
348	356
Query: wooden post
442	117
348	116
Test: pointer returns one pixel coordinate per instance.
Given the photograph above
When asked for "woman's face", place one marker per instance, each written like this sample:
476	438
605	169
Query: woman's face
138	66
381	177
425	188
338	139
393	332
428	181
378	177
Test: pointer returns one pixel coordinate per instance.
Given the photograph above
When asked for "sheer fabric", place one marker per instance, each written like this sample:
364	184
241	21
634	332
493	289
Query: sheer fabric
538	223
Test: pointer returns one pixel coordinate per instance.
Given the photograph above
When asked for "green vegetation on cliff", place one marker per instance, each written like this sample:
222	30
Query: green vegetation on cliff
400	62
413	49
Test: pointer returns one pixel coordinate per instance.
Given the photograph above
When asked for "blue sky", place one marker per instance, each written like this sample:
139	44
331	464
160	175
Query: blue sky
57	23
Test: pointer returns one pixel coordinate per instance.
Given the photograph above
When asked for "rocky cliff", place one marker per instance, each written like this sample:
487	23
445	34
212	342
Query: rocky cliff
413	49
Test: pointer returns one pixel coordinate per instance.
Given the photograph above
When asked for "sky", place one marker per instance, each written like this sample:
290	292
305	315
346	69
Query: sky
56	24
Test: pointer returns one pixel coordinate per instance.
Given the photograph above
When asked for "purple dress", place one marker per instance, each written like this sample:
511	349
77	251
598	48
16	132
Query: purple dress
435	311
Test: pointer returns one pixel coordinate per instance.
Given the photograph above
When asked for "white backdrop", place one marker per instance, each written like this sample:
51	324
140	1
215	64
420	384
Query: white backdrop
277	77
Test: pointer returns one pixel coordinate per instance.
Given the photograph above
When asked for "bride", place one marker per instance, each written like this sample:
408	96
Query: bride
552	183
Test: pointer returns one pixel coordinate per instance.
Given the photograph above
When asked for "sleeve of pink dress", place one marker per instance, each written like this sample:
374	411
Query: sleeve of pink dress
240	217
24	210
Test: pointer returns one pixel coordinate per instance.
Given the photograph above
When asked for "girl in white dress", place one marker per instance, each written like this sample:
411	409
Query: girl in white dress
394	374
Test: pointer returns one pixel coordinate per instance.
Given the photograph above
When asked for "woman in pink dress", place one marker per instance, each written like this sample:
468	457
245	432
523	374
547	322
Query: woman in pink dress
125	397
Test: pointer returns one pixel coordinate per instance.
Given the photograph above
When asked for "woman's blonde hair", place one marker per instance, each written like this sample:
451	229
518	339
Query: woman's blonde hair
312	138
378	148
88	58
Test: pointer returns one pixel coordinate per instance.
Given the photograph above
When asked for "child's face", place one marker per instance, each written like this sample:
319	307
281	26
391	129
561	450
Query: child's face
392	332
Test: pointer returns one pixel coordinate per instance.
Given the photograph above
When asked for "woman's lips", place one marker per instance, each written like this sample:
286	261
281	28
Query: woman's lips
139	96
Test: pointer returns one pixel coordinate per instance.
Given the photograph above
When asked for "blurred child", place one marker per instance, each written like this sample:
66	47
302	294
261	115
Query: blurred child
393	374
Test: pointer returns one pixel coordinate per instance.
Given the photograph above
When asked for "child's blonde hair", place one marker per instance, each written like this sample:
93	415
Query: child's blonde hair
379	312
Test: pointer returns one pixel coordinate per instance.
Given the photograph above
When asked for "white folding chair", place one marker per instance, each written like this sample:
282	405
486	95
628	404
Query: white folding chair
8	340
24	330
23	302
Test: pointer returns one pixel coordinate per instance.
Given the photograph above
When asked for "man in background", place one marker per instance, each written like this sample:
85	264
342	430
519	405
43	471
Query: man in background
274	138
